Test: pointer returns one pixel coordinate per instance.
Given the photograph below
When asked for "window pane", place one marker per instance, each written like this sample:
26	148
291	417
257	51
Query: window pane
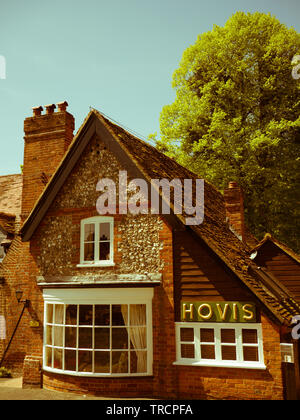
187	351
120	362
228	335
49	334
207	351
85	361
70	336
138	362
250	354
138	338
85	314
249	336
89	253
102	362
89	233
207	335
102	338
49	356
70	360
71	315
49	314
187	334
137	314
57	362
104	249
119	314
58	336
59	314
228	353
102	315
119	338
104	234
85	338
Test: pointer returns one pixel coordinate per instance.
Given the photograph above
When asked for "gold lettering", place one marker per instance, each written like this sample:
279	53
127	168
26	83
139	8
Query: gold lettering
224	312
205	305
189	311
234	310
250	315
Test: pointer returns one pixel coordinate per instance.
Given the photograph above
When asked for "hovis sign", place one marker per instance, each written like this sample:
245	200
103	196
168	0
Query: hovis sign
218	312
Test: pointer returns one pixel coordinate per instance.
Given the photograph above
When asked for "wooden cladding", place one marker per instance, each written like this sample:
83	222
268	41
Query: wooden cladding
199	275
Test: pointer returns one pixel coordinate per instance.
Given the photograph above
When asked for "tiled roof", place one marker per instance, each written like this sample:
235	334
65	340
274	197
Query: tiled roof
11	194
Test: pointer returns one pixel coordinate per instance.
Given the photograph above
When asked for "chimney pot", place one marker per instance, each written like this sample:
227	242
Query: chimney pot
62	106
37	110
50	108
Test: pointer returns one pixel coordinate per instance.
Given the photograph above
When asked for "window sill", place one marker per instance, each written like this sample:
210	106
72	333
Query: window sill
98	264
230	364
96	375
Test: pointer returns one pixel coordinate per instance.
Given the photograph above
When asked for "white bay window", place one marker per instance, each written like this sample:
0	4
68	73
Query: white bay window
98	332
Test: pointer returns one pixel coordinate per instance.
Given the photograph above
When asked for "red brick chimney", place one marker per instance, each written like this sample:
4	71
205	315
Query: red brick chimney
47	137
234	205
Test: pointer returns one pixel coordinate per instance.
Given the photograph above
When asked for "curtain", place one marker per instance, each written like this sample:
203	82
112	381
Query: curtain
137	333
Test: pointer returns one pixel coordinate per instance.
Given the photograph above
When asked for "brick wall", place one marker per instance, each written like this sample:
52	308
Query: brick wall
235	383
19	271
47	138
32	371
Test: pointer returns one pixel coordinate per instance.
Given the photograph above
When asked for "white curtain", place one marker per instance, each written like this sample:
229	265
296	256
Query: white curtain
137	333
59	319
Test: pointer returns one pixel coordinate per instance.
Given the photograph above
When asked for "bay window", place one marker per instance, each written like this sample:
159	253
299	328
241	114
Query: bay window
98	332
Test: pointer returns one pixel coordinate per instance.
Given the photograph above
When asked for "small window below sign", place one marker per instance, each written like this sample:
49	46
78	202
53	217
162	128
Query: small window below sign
219	344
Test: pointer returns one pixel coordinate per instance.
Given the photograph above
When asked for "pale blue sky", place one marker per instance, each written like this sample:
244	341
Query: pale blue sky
116	55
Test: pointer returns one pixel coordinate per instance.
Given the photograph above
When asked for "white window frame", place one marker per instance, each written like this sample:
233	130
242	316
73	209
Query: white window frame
96	221
218	362
103	296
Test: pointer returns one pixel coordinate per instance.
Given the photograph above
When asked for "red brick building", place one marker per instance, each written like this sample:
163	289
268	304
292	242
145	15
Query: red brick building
133	305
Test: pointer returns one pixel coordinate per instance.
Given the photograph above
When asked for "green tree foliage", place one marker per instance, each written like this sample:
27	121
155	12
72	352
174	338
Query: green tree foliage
236	117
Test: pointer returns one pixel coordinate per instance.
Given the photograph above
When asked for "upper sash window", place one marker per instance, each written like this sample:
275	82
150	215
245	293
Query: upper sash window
96	241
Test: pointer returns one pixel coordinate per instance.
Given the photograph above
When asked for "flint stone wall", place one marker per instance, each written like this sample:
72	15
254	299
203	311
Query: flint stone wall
137	244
